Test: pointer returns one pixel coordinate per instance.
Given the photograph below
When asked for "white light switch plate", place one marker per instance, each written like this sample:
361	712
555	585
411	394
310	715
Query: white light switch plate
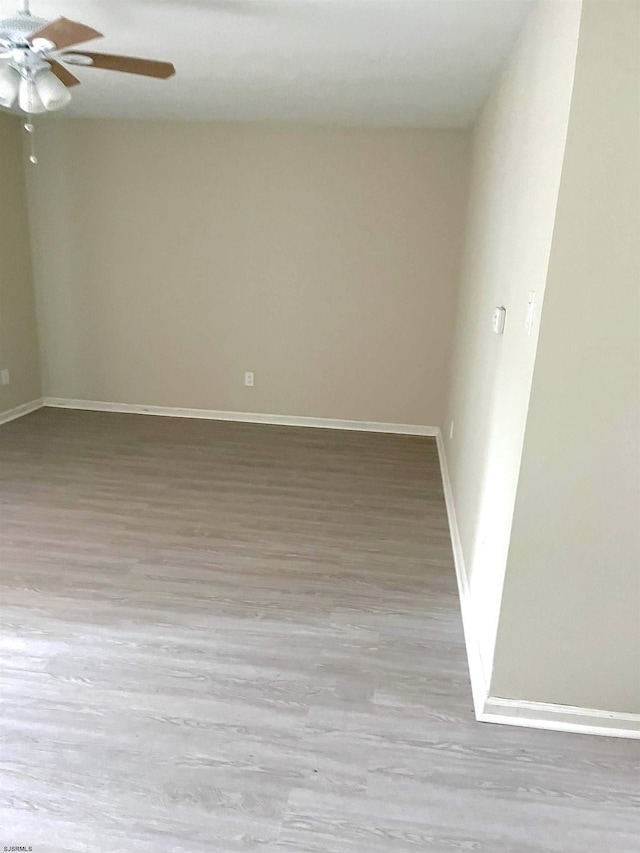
498	320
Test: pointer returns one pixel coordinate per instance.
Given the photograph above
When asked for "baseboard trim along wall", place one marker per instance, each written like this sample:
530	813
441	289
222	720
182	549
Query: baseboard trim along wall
479	685
563	718
242	417
518	712
489	709
20	411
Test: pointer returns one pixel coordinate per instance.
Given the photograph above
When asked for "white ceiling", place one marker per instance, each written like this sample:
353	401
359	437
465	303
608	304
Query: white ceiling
380	62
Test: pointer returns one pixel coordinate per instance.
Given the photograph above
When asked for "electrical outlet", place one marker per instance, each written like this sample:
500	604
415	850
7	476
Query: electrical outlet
451	430
4	377
248	379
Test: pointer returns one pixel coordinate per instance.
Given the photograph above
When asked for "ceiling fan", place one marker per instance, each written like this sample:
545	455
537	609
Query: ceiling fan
34	56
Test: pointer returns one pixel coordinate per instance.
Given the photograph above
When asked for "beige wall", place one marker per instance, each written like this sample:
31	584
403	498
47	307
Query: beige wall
18	336
570	621
170	258
518	149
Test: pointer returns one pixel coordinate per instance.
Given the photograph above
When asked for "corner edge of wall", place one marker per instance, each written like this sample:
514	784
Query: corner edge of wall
21	411
477	675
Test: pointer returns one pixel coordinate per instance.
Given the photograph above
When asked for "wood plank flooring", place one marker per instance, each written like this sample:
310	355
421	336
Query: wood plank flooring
227	637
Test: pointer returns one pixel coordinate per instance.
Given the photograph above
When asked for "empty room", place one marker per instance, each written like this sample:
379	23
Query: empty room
320	426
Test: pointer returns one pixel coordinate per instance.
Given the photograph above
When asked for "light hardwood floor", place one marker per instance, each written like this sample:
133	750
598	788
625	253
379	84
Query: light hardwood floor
227	637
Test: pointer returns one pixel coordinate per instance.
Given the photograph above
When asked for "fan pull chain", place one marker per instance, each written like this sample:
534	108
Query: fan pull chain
30	129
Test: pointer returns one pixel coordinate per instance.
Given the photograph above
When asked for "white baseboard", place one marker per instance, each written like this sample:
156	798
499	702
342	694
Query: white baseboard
20	411
243	417
562	718
479	685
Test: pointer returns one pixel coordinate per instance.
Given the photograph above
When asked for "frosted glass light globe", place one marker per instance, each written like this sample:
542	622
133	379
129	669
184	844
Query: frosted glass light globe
29	100
53	94
9	85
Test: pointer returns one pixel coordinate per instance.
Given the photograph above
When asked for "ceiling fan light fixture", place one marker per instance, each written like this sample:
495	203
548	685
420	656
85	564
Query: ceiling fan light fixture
34	59
53	94
29	99
9	85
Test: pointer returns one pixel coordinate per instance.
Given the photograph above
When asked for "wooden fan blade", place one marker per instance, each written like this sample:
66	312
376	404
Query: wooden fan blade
64	33
128	64
63	74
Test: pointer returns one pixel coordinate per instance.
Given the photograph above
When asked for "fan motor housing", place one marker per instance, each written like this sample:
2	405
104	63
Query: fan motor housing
19	29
